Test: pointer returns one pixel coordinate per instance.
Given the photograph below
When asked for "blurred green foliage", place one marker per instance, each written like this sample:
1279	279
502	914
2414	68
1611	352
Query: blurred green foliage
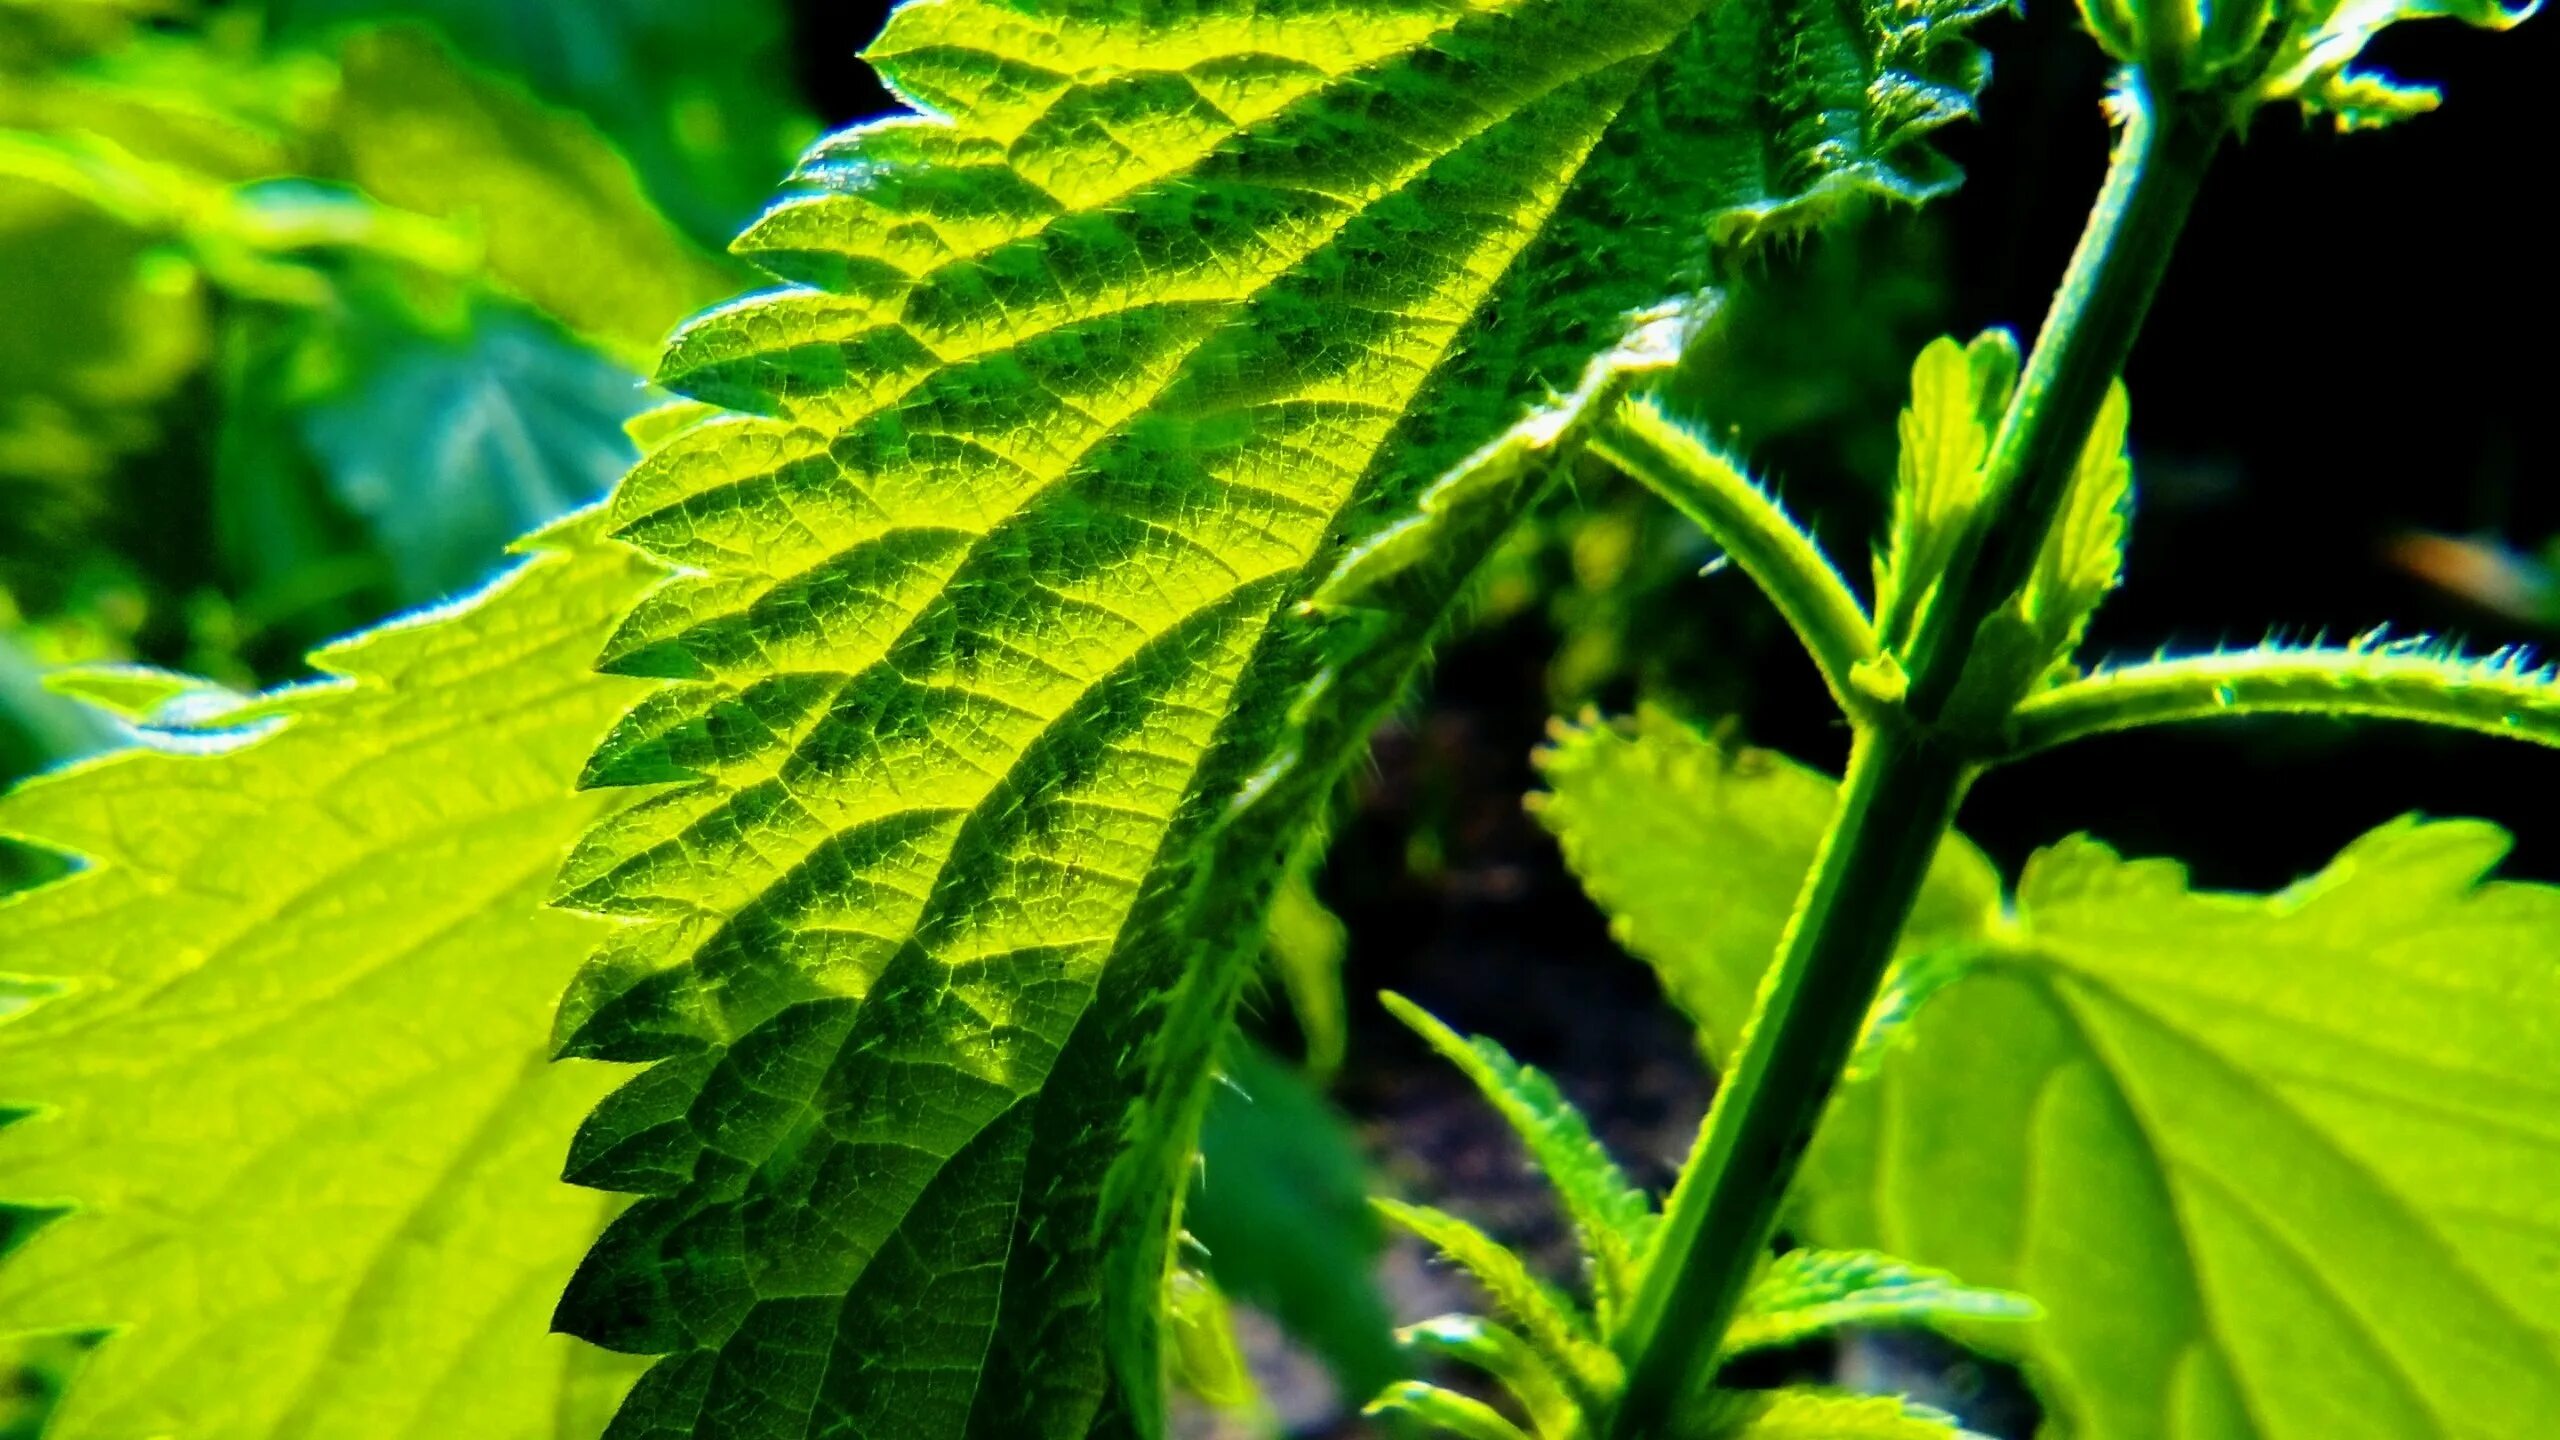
315	305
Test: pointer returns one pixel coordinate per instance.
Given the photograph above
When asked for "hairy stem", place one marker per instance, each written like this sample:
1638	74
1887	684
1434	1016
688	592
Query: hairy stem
1739	516
1902	788
2500	695
1895	807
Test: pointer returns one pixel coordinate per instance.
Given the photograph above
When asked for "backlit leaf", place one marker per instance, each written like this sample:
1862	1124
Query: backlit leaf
2273	1166
289	1108
997	700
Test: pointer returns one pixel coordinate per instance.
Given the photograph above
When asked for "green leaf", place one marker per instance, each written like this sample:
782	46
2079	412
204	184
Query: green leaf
2272	1165
1958	394
103	326
2083	555
997	697
1502	1356
1612	1218
290	1129
1445	1411
432	446
1801	1414
1282	1209
1804	1293
1547	1319
1696	852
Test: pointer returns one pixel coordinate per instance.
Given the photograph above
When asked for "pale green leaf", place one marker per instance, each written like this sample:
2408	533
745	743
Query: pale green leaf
292	1098
998	693
2273	1166
691	92
1696	852
1805	1293
1613	1219
1304	946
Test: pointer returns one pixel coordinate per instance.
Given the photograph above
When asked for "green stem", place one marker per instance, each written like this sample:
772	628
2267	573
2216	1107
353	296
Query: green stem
2496	695
1900	796
1895	807
1754	531
2160	161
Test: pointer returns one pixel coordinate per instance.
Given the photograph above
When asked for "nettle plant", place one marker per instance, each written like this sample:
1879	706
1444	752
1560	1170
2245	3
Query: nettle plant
930	718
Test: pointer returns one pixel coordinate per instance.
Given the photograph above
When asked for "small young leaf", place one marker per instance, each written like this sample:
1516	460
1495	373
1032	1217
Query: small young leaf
2314	61
2242	54
1612	1217
1958	393
1507	1359
2083	556
1803	1414
1445	1412
1804	1293
1304	946
1547	1319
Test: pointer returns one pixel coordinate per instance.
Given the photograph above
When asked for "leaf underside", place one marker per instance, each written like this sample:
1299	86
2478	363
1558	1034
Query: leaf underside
994	707
289	1106
2273	1166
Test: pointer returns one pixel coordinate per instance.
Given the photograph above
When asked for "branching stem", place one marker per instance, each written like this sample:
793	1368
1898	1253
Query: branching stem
1902	788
